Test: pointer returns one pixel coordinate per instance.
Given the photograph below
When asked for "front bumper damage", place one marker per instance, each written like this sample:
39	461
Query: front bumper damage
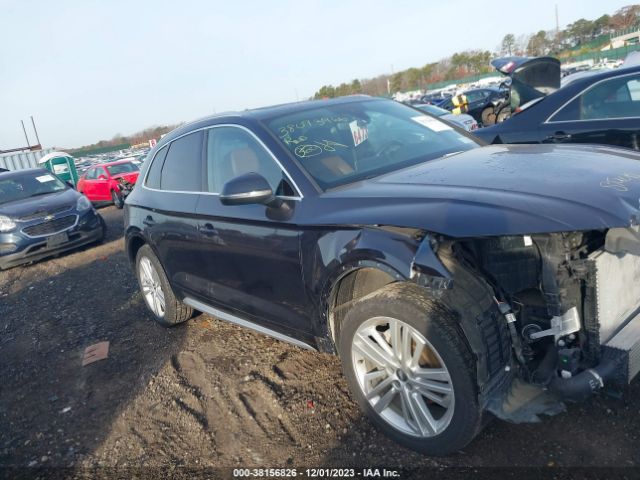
595	308
612	307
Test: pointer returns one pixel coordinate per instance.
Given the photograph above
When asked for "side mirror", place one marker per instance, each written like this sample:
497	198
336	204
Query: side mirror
247	189
70	184
102	177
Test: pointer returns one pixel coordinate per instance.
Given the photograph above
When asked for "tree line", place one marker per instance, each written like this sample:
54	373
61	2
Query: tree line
575	37
474	62
142	136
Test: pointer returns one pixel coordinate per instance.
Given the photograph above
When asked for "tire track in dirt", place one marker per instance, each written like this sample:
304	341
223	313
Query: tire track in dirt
247	412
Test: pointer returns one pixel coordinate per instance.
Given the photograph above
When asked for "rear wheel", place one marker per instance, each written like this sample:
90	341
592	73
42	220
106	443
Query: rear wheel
103	227
488	116
118	201
158	294
504	114
410	370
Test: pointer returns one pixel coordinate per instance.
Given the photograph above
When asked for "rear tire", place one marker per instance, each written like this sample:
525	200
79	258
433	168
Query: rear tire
118	201
103	226
504	114
488	116
400	336
158	295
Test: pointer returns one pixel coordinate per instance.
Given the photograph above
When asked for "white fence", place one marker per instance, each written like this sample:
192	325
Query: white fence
22	160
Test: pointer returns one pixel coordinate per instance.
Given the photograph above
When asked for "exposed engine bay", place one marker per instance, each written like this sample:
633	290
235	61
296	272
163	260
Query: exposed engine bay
571	302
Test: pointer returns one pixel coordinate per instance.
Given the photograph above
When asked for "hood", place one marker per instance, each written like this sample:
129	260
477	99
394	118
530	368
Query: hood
499	190
45	204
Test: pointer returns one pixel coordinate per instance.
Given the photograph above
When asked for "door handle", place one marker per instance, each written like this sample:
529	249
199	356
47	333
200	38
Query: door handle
207	229
149	221
559	137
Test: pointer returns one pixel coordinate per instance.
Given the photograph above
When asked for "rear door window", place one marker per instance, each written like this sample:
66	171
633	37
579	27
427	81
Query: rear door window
610	99
182	169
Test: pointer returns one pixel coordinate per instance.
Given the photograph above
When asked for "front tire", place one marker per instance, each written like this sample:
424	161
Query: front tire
118	201
410	370
167	310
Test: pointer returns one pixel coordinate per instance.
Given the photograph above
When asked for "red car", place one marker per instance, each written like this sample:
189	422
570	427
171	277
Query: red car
102	183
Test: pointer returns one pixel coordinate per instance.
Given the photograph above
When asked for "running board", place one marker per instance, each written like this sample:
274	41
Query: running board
228	317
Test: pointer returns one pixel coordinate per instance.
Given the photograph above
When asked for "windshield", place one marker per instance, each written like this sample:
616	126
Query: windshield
433	110
122	168
19	187
343	143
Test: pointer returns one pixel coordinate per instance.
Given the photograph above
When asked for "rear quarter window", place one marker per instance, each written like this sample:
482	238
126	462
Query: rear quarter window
155	170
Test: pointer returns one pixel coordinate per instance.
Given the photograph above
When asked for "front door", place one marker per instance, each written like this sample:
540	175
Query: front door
90	184
250	262
101	185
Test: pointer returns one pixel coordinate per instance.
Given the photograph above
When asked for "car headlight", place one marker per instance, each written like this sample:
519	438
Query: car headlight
6	224
83	204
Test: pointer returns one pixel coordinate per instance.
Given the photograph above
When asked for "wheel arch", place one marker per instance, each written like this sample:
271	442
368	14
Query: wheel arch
352	284
355	263
134	241
468	296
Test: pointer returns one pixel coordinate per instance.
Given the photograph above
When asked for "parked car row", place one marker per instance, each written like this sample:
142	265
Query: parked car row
47	211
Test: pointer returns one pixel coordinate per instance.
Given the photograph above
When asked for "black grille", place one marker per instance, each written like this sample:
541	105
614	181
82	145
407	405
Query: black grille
43	213
53	226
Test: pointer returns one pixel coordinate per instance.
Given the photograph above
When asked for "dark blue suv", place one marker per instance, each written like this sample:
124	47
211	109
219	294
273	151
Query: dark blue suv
42	216
452	279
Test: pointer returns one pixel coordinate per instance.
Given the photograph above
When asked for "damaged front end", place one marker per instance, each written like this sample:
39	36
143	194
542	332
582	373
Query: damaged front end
569	305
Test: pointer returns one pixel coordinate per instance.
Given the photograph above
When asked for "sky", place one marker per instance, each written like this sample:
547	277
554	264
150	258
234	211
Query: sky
90	69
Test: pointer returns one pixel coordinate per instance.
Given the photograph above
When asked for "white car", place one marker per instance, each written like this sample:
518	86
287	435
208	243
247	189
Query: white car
463	120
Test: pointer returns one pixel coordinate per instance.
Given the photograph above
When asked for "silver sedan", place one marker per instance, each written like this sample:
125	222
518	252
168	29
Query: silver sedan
462	120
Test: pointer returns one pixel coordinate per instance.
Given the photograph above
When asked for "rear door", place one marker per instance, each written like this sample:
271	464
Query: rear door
250	259
606	113
174	183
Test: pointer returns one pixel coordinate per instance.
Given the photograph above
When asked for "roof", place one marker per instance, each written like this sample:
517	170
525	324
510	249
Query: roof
288	108
479	89
601	75
115	162
51	155
285	108
18	173
265	113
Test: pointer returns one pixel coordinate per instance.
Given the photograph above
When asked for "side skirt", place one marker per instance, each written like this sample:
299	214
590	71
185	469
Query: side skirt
228	317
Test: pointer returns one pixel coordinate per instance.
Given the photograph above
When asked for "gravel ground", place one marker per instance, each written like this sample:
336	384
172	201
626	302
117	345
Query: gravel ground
208	393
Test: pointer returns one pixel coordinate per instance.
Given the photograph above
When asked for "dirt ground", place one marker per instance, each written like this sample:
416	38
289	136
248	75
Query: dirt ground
208	393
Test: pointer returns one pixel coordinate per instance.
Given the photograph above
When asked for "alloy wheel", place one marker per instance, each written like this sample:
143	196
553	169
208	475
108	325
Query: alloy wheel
403	377
151	287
